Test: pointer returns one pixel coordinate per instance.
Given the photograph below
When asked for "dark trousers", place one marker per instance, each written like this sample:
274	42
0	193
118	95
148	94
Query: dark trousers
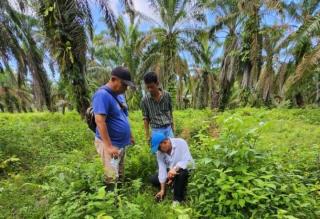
180	182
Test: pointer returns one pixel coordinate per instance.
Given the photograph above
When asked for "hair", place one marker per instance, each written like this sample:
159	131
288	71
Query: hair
150	77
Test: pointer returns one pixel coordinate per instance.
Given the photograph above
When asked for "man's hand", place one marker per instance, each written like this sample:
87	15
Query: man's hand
113	151
160	195
132	141
146	130
172	173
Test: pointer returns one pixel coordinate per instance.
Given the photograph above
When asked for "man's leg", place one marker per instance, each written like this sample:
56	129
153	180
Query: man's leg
110	173
180	185
121	166
166	131
155	180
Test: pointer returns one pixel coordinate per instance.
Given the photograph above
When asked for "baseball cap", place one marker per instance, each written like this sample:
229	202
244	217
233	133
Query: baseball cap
156	139
124	74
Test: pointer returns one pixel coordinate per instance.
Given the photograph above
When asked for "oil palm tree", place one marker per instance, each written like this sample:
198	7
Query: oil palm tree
202	50
17	41
126	50
229	20
306	53
68	28
14	97
177	20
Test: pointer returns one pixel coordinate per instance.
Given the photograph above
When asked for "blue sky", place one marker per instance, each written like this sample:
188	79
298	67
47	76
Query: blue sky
143	6
140	5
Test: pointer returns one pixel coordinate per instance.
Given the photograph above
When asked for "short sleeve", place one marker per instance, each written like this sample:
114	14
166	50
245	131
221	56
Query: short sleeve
100	103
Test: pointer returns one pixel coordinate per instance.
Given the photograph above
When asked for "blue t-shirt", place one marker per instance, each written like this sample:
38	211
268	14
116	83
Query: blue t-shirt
117	122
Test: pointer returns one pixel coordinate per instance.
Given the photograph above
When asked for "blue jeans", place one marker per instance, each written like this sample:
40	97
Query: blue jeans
166	131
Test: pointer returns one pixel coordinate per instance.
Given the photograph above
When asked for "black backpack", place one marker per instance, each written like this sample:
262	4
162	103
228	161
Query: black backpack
91	122
89	116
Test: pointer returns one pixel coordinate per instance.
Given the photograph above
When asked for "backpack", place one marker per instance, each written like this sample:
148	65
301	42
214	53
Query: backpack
89	115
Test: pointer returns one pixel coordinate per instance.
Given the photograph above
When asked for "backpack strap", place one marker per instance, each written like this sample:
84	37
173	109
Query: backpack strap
122	106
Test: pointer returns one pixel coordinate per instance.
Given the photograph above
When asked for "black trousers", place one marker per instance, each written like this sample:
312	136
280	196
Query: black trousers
180	182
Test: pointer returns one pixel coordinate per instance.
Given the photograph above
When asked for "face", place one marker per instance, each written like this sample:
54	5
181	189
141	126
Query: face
119	86
165	146
152	88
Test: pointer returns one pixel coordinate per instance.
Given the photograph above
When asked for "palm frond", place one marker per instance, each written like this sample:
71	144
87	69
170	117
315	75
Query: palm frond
307	64
109	16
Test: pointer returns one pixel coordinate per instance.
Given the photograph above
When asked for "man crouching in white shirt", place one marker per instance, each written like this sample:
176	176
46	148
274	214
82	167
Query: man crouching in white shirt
174	162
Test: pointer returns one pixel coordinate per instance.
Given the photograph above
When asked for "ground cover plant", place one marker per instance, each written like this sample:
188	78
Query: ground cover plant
250	163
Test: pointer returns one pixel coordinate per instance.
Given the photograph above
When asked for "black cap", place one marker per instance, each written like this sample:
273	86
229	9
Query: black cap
124	74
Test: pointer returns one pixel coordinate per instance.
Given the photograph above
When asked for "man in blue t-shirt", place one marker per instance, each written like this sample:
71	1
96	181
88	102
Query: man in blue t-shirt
113	132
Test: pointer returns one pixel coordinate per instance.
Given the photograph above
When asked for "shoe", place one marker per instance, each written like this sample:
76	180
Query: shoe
175	203
109	187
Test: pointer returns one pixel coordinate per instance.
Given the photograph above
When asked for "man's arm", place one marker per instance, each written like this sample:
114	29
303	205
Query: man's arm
146	121
162	176
186	159
132	141
162	191
104	134
146	129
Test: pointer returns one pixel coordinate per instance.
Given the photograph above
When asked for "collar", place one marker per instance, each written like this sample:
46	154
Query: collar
161	96
173	145
109	89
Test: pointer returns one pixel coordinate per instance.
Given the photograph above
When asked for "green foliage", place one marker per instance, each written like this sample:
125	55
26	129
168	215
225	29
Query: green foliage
250	163
235	179
8	164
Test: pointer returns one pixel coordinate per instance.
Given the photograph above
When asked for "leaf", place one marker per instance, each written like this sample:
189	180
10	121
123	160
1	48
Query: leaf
242	202
101	193
104	216
184	216
217	163
233	152
206	160
225	187
222	197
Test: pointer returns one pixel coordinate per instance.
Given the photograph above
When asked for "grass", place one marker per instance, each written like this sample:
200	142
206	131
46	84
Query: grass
59	174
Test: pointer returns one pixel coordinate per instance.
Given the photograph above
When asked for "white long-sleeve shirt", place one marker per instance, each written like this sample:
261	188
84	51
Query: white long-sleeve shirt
179	157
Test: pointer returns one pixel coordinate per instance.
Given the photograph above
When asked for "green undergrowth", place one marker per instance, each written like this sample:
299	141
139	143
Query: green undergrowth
250	163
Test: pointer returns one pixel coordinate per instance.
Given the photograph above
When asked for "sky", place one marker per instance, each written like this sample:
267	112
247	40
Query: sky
140	5
143	7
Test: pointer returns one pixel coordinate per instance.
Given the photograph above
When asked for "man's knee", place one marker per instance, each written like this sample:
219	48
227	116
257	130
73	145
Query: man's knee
183	174
154	180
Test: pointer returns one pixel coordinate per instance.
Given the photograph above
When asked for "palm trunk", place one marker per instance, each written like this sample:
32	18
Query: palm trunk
203	88
253	49
79	87
180	93
229	70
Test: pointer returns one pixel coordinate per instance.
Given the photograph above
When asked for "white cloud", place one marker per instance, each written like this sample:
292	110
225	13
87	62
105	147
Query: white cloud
27	10
114	4
143	6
